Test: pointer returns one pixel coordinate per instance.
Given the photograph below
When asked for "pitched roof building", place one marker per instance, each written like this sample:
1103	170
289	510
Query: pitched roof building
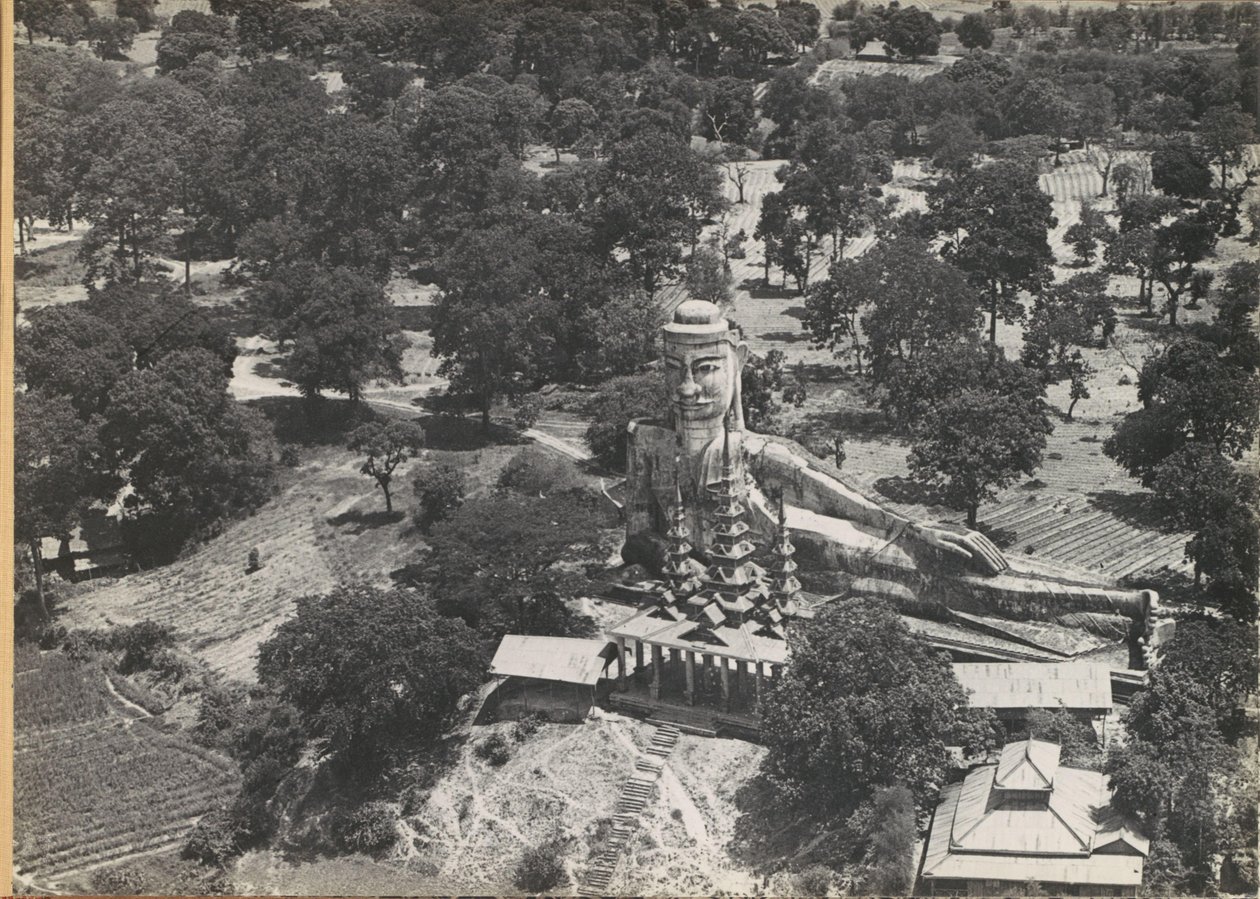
1030	818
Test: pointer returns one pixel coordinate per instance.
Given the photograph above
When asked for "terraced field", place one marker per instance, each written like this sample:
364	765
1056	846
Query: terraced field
94	783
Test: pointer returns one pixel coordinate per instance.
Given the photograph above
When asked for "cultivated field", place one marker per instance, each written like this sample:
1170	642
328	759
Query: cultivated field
94	782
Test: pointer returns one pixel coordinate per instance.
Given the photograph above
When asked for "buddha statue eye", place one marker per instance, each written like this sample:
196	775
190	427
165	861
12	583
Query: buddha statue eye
708	368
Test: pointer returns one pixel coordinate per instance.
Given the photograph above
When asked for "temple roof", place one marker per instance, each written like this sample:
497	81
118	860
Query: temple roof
981	831
1036	685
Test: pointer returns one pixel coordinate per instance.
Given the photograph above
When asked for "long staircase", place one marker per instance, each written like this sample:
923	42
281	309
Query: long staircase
634	795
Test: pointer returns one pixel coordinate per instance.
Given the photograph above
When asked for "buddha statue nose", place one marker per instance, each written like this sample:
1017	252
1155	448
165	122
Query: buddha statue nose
688	389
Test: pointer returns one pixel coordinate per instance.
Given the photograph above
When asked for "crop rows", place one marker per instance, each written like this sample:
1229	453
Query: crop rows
92	785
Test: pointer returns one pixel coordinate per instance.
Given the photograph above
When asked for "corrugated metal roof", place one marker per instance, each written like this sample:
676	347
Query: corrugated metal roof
980	834
1027	765
1036	685
566	659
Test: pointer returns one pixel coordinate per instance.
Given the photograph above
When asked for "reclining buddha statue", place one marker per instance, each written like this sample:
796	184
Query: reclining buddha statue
851	540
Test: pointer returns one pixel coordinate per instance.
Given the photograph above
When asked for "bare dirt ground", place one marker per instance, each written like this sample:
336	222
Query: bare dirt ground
469	833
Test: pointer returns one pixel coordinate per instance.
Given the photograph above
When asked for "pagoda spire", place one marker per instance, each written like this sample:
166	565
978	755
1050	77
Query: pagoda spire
731	577
677	570
783	584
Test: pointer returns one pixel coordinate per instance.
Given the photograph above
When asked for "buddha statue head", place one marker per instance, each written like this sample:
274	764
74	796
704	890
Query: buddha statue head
703	360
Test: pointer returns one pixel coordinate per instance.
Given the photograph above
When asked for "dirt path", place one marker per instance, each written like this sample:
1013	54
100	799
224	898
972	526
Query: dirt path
140	711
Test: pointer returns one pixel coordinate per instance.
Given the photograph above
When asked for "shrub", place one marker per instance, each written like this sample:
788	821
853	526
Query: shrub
142	644
534	471
213	840
440	490
541	868
813	881
121	881
494	749
526	727
369	829
526	411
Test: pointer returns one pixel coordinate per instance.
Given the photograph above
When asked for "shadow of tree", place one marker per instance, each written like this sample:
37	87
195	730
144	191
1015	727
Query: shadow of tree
785	336
1139	509
904	490
1003	538
365	521
321	421
852	422
772	833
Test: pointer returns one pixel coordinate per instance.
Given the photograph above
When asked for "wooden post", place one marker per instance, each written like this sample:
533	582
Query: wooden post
621	664
671	669
638	661
691	677
759	682
725	671
658	662
706	673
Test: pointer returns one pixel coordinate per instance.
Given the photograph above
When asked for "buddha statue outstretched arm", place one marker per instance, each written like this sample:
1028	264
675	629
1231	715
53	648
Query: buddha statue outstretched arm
778	464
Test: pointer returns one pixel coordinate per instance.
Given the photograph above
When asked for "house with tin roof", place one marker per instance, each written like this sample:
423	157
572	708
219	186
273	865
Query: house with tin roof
1029	819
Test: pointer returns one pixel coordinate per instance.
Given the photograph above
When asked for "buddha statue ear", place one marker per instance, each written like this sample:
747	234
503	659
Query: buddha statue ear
735	415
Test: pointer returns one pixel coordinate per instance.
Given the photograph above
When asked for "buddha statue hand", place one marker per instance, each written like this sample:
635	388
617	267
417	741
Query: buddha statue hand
970	545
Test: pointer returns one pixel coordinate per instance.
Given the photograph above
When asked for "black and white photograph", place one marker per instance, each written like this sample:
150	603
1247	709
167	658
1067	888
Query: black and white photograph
666	448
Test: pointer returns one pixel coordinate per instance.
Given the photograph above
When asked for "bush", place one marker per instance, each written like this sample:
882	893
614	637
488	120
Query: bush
494	749
142	645
526	411
526	727
368	829
541	868
813	881
618	402
535	471
213	840
440	490
121	881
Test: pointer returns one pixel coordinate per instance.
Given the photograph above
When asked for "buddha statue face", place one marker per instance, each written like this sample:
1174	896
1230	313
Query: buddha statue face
703	360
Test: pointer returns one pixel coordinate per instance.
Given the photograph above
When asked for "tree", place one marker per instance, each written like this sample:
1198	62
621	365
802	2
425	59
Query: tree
570	122
110	38
1085	235
941	370
364	696
495	562
188	36
996	219
339	324
1066	316
760	378
1224	132
143	12
1176	249
1181	171
440	490
974	31
191	454
910	32
863	705
655	193
66	350
1192	392
59	469
728	113
618	402
387	445
888	866
913	298
493	325
708	277
974	444
62	20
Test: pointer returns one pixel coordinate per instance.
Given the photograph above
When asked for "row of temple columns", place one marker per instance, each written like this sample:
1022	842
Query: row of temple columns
700	672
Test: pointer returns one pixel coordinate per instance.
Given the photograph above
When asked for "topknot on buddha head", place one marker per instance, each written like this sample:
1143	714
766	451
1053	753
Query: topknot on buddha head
699	322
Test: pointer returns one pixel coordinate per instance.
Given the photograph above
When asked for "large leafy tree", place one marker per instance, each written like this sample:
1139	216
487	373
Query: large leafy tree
59	469
972	445
654	194
1177	248
1224	132
192	455
618	402
863	705
371	671
496	561
995	220
67	350
1192	392
340	326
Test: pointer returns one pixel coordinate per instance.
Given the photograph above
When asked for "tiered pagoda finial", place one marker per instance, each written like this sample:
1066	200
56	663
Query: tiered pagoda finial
783	585
731	576
678	573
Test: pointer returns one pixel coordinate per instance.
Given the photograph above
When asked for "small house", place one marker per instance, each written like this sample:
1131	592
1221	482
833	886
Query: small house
555	677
